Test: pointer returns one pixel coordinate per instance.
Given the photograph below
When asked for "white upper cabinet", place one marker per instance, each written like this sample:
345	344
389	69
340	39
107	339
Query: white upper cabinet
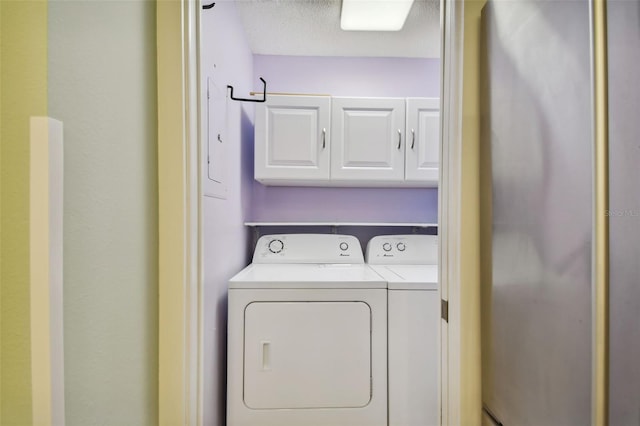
292	139
340	141
423	140
368	139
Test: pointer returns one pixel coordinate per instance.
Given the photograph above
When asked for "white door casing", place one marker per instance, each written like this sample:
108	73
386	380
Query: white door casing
180	396
46	176
453	401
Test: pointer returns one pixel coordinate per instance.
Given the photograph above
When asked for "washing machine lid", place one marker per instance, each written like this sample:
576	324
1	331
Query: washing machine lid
409	277
307	276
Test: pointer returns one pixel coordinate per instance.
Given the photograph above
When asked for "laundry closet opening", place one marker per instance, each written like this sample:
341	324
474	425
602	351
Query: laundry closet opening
337	181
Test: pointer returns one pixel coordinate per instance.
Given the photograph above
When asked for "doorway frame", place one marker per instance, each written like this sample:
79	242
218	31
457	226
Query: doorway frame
449	207
180	388
180	367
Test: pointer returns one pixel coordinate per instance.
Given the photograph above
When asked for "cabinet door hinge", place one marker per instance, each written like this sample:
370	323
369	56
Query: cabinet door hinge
444	309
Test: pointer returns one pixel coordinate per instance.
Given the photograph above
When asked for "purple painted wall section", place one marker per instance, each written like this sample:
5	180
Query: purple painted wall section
343	76
226	239
337	76
299	204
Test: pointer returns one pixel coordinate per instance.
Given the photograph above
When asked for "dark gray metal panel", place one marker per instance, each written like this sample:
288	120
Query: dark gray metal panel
538	100
624	213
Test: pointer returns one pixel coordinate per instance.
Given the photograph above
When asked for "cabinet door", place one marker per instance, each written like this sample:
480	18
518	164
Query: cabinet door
292	138
304	355
368	139
423	140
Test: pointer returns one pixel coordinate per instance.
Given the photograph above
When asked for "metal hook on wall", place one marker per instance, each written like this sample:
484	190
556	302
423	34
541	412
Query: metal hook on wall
264	93
208	6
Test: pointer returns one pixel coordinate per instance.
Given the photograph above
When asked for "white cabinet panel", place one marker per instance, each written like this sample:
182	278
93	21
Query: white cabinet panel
413	357
292	138
216	155
368	139
303	355
423	146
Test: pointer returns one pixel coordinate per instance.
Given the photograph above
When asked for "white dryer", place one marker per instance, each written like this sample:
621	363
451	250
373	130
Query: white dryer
307	336
409	263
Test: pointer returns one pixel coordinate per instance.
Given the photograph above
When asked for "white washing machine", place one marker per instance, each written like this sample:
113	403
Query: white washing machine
409	263
307	336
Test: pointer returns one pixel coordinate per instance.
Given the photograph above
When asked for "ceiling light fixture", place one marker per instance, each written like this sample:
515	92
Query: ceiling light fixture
374	15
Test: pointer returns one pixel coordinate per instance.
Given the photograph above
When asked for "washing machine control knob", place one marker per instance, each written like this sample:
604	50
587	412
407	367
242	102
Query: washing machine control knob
401	246
344	246
386	247
276	246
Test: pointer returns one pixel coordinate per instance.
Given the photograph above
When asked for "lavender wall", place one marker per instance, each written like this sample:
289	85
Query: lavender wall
339	76
226	239
344	76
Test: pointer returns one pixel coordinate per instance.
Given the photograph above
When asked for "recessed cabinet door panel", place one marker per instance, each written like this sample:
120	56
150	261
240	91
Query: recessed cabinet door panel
292	138
307	355
423	140
368	139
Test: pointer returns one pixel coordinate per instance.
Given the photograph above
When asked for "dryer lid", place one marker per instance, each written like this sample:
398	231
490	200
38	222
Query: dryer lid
307	276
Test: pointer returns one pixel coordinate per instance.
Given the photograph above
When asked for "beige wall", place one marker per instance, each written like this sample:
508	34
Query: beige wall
23	82
102	85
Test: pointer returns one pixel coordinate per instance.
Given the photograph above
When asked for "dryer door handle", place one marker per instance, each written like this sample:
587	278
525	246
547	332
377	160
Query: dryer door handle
266	355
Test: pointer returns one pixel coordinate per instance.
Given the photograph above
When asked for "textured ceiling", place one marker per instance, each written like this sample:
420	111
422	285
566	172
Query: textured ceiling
312	28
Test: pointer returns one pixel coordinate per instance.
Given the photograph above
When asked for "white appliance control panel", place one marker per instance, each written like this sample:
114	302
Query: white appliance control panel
403	249
308	248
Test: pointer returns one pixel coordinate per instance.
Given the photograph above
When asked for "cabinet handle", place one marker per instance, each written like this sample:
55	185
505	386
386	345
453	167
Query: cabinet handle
324	138
266	355
399	138
413	138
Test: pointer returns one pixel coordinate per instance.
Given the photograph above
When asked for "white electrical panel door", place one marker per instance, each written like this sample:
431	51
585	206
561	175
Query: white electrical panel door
423	140
413	357
368	139
305	355
216	154
292	138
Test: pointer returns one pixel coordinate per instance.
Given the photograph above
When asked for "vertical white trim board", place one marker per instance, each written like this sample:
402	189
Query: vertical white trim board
180	390
46	273
449	207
